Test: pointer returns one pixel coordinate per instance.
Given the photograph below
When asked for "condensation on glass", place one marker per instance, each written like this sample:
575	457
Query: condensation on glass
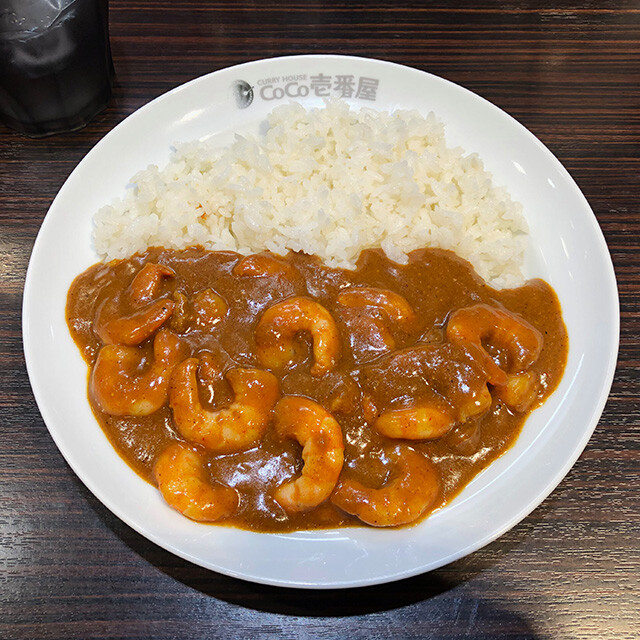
56	70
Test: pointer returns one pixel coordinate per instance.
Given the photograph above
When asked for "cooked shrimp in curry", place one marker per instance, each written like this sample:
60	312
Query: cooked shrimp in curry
275	393
181	475
393	305
279	325
421	422
131	318
412	489
147	282
264	265
322	451
482	324
237	427
374	319
520	391
123	383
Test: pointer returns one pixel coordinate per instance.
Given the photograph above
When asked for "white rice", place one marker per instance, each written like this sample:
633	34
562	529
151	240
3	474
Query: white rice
329	182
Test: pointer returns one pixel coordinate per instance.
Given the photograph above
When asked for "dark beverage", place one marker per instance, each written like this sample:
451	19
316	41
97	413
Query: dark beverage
55	64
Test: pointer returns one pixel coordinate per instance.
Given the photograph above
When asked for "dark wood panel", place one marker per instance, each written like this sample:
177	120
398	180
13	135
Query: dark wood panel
570	72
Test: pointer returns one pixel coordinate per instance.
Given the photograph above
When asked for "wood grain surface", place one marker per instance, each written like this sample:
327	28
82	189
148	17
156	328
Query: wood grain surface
568	71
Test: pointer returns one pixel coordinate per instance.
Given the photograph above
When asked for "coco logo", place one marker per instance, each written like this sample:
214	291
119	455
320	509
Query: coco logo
243	93
291	90
320	85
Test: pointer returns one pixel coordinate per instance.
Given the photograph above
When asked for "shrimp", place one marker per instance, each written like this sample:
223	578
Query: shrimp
280	323
181	475
120	388
235	428
520	392
504	330
146	284
413	488
423	421
345	397
479	402
203	311
393	305
209	309
262	265
181	316
133	328
370	334
427	420
322	451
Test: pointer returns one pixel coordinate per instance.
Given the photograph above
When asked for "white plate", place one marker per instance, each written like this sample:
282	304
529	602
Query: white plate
567	249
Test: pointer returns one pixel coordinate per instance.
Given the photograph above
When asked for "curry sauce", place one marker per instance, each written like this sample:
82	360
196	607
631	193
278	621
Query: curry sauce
212	304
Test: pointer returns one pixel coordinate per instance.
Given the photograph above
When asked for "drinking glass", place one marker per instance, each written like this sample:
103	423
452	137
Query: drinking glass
56	70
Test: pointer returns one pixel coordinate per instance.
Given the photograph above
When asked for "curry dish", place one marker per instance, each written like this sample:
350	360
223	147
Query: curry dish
277	394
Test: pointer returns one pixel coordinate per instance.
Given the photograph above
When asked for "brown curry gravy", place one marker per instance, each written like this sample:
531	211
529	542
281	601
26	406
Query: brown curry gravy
434	282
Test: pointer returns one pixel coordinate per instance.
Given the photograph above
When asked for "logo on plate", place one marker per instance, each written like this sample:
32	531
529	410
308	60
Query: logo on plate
320	85
243	93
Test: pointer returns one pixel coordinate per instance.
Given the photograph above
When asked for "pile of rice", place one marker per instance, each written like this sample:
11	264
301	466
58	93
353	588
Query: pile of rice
330	182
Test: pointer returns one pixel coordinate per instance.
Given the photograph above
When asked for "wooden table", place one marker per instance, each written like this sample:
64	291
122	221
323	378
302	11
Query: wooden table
569	71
